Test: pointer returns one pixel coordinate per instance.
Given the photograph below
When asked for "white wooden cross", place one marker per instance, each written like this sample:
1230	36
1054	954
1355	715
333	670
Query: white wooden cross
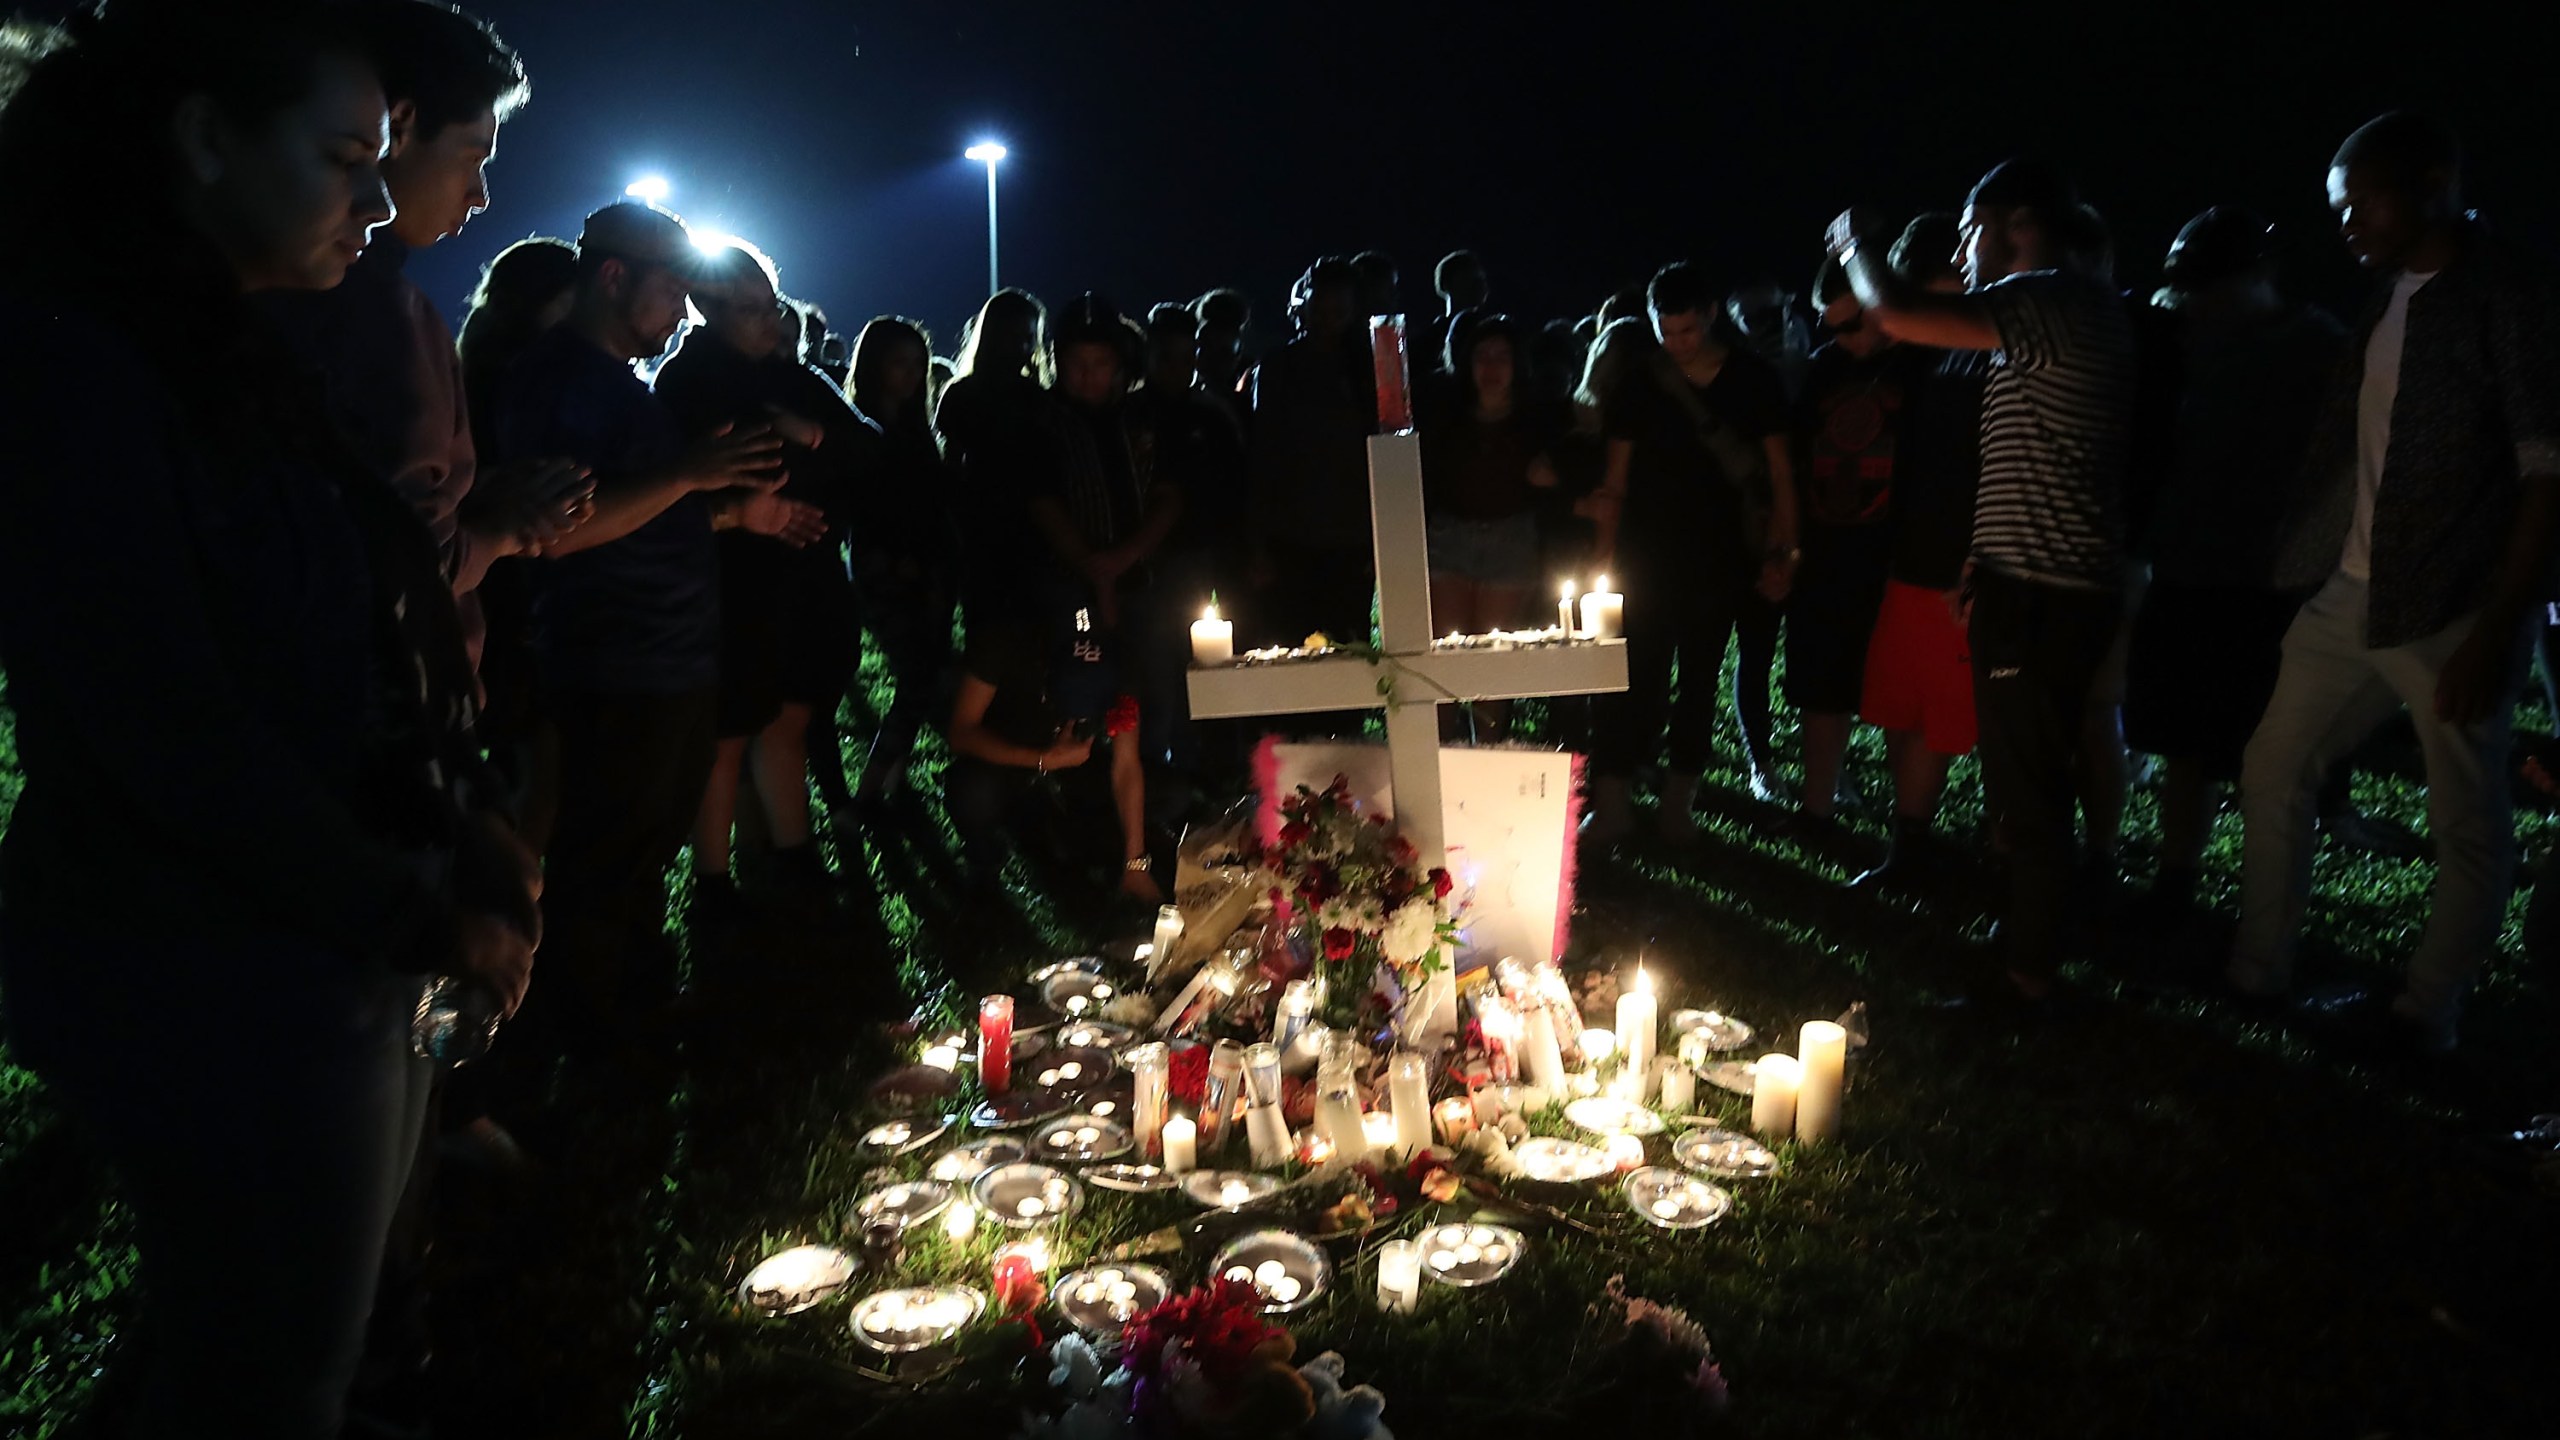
1420	678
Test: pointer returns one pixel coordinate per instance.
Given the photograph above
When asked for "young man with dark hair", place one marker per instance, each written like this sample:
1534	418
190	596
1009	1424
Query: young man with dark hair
1698	453
1315	404
626	620
2048	554
2431	498
384	353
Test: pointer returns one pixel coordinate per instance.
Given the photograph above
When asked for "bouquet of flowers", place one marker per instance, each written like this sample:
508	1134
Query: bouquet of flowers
1204	1363
1374	913
1653	1360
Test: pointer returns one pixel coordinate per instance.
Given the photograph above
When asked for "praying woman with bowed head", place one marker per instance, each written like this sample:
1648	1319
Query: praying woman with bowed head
255	820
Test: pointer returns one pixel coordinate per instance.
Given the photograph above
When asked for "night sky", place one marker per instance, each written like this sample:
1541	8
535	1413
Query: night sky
1161	148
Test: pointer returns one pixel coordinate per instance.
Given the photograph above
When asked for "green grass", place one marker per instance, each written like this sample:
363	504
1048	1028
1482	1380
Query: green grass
2166	1220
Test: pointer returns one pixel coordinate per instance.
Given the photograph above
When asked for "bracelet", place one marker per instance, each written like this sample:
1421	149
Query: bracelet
1141	863
1040	762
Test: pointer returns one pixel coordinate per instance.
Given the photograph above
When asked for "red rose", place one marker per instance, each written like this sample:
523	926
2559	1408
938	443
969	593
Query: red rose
1441	884
1188	1075
1295	833
1337	943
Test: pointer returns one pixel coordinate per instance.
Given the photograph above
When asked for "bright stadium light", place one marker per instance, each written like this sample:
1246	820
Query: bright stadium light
652	188
988	153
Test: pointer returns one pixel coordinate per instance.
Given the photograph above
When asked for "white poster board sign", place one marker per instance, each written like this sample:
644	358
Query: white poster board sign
1510	818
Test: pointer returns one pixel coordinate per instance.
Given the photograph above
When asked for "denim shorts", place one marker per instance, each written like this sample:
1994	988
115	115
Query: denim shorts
1488	552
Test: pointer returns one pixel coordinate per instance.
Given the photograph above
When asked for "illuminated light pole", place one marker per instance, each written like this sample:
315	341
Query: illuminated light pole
653	189
988	153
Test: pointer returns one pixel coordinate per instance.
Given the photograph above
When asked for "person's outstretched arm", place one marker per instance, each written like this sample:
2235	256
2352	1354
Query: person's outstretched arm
1907	311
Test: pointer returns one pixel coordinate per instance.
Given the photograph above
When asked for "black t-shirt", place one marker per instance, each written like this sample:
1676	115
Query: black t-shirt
1479	470
1681	498
1936	466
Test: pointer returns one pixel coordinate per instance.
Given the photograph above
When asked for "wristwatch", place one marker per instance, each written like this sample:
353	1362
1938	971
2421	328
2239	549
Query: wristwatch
1141	863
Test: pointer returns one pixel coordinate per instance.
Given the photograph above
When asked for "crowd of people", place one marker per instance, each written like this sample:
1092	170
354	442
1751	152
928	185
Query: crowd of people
345	654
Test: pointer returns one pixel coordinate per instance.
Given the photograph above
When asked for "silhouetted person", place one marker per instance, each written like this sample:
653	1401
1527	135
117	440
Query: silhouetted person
2211	630
1194	441
254	818
1378	286
1849	419
1459	281
2048	553
2431	495
1699	511
1919	683
626	626
904	544
789	637
1315	406
987	418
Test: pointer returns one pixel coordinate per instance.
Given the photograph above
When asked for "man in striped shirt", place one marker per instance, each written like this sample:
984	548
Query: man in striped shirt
2043	587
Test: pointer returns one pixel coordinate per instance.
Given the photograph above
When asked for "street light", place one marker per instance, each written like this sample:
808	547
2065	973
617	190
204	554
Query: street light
988	153
651	188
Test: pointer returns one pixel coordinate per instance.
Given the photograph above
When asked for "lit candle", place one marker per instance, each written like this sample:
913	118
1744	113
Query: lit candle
1149	1082
1338	1110
1399	1276
1296	1008
1181	1145
1638	1020
1409	1090
1501	1026
942	1057
1314	1147
1679	1086
1546	1062
1378	1130
1598	1045
1628	1085
1213	640
1168	935
995	1043
1822	1053
1773	1096
1564	610
1454	1119
1016	1280
960	1220
1218	1099
1625	1152
1604	612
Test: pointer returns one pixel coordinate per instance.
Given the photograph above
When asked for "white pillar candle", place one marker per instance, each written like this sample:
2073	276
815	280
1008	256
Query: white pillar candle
960	1219
1546	1061
1679	1086
1604	612
1409	1091
1487	1103
1181	1145
1399	1276
1773	1096
1213	640
1150	1081
1822	1055
1378	1131
1564	610
1638	1020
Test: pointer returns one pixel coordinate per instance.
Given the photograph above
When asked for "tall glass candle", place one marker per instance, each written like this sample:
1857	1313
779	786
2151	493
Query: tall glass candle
1338	1099
1399	1276
1296	1009
1409	1088
1822	1050
1387	362
1150	1080
1546	1060
1564	611
1501	1026
1262	1075
1773	1096
995	1043
1168	936
1218	1099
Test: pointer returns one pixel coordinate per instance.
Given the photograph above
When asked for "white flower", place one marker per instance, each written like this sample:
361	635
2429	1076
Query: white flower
1077	1369
1411	932
1130	1008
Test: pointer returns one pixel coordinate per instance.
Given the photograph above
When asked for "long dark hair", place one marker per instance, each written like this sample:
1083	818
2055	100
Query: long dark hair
1470	329
511	295
1009	305
871	350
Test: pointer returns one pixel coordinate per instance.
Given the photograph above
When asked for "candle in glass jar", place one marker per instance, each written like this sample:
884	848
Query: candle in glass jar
1213	640
1290	1017
1168	935
1638	1019
1378	1131
1387	361
1546	1061
1218	1098
1773	1095
995	1043
1501	1026
1268	1133
1604	612
1564	611
1454	1119
1181	1146
1822	1055
1399	1276
1150	1080
1409	1090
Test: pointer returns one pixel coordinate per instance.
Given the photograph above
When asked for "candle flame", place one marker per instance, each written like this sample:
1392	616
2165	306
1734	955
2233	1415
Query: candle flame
1601	588
1568	591
1210	613
1644	982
